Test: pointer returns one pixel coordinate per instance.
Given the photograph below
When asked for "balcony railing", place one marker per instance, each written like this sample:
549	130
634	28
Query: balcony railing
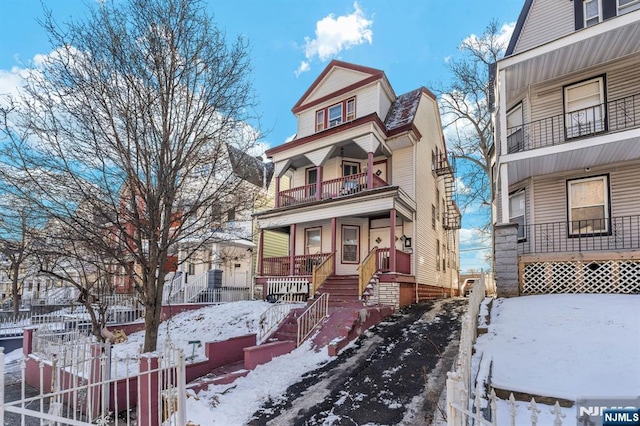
613	116
333	188
618	233
403	261
302	264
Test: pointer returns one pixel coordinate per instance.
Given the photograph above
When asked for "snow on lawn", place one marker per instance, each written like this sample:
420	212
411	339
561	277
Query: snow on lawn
234	404
210	324
565	345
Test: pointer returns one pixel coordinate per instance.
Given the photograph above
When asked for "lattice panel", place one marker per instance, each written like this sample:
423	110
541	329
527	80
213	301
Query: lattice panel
611	276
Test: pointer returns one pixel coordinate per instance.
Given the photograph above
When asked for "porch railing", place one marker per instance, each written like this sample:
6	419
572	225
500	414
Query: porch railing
367	269
302	264
328	189
617	233
320	273
612	116
403	261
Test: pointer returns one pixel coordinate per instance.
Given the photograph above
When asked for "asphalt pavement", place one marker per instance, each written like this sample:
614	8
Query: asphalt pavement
392	375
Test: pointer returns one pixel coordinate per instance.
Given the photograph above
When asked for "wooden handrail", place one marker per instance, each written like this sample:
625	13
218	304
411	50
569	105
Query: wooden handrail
367	269
320	273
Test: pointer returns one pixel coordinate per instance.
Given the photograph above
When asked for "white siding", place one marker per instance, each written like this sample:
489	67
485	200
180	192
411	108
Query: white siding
367	102
337	79
427	238
402	170
547	20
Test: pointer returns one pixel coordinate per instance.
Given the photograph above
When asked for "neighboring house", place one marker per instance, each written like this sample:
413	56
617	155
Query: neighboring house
369	203
567	206
226	258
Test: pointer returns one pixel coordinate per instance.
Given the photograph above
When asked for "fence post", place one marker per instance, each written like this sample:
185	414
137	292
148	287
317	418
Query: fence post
182	390
95	382
148	391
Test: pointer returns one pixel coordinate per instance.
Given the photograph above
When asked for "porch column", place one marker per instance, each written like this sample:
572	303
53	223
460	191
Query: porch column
260	251
392	240
319	183
333	241
292	249
277	191
370	170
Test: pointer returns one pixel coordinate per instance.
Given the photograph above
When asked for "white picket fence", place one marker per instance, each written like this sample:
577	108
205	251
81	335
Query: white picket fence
81	382
467	402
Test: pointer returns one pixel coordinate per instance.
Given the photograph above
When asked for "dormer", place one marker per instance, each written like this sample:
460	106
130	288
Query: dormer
342	93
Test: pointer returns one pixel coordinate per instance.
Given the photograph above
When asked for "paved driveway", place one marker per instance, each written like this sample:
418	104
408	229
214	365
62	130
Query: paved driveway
392	375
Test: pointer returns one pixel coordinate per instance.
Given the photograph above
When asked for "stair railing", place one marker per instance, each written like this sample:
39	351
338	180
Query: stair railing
320	274
366	270
311	317
274	315
194	287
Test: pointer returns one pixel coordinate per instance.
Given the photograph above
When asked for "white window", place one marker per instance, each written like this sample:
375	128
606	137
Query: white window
584	104
625	6
350	244
320	120
312	181
518	212
515	132
588	203
351	110
349	168
592	12
335	115
313	241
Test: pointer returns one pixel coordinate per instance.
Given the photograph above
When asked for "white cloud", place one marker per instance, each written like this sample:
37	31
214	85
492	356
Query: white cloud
502	37
335	34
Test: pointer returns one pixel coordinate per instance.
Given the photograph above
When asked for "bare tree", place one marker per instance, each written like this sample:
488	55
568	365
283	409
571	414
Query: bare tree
121	134
466	113
17	245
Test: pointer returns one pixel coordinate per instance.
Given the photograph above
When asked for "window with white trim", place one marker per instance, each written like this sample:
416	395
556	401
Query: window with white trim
625	6
588	205
312	180
518	212
313	241
336	114
515	131
584	108
592	12
350	244
437	255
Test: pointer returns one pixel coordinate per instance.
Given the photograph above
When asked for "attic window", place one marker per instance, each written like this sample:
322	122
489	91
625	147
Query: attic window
336	114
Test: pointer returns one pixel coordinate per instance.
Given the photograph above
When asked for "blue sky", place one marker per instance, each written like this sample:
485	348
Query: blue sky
291	42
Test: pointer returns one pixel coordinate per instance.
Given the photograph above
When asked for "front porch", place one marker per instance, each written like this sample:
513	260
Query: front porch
569	257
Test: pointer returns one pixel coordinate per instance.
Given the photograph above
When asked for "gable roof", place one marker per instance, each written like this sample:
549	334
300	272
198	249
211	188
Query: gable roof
518	29
403	110
249	168
374	74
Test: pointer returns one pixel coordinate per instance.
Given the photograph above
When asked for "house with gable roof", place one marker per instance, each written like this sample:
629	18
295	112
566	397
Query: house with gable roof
364	195
567	151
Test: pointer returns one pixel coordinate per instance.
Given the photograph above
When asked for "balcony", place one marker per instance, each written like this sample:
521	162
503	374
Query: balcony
334	188
613	116
618	233
403	261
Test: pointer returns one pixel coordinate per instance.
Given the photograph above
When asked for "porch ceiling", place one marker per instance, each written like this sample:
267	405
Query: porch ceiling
608	149
607	41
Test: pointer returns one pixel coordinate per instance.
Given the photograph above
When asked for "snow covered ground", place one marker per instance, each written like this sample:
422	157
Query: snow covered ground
565	346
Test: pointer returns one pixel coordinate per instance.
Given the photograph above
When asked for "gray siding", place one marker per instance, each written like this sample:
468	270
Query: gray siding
548	20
